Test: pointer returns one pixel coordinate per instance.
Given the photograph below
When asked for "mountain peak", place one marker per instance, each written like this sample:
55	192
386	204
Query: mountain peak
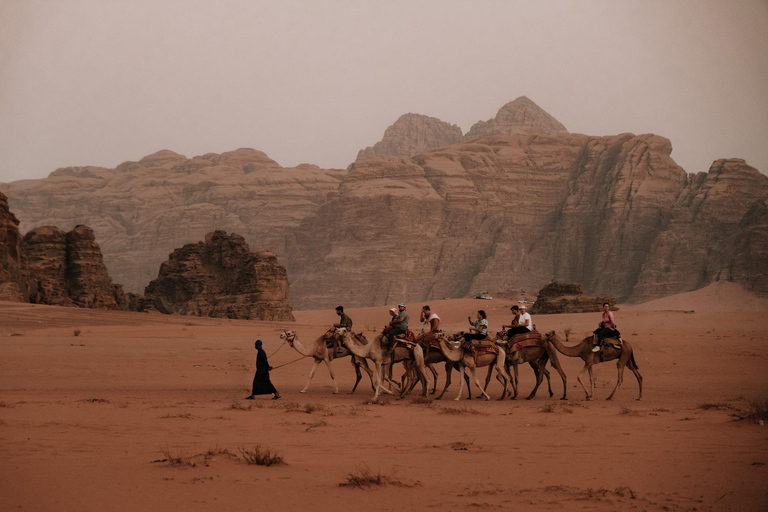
519	117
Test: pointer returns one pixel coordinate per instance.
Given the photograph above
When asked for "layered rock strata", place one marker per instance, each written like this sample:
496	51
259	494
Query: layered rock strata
497	213
222	278
556	298
412	134
67	269
13	271
519	117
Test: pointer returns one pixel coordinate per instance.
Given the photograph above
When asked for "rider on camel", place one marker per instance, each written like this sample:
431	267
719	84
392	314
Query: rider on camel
345	322
429	317
606	328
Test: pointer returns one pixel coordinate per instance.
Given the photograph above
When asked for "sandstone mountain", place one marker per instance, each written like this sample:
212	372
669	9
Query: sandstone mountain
498	213
222	278
413	134
557	298
518	117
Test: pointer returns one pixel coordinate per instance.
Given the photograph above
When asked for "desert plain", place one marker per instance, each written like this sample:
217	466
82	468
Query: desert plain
106	410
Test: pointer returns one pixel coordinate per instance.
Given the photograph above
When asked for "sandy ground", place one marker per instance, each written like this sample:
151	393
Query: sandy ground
86	420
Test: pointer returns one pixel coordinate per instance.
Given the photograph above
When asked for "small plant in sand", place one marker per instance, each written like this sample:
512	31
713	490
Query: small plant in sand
755	411
630	412
365	477
716	406
555	408
316	424
175	459
260	456
184	416
77	332
422	400
237	406
463	409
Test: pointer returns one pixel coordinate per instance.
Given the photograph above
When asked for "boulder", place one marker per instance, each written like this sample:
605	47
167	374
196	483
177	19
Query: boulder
556	298
222	278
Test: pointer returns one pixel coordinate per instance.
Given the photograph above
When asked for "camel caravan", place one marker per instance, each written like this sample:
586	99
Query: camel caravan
467	351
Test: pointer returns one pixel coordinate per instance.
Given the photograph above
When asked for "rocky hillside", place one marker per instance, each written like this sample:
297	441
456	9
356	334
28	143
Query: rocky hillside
13	266
413	134
557	298
499	213
222	278
519	117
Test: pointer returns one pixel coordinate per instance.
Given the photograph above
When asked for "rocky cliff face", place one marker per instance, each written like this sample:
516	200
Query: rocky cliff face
498	213
67	269
556	298
13	271
518	117
141	211
222	278
413	134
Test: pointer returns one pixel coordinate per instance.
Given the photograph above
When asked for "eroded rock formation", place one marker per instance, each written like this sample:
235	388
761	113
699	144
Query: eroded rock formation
13	271
497	213
557	298
412	134
519	117
221	278
67	269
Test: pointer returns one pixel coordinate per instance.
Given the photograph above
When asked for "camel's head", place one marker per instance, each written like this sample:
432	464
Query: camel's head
288	336
550	335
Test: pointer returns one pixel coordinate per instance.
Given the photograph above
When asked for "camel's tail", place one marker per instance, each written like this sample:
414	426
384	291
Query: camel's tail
632	359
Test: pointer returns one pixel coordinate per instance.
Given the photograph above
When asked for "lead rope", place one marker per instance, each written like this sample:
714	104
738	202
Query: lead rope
286	364
278	348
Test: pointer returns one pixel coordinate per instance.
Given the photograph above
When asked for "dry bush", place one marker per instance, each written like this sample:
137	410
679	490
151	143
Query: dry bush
364	477
184	416
755	411
175	459
77	332
237	406
260	456
95	400
422	400
716	406
463	409
310	408
630	412
357	410
554	407
316	424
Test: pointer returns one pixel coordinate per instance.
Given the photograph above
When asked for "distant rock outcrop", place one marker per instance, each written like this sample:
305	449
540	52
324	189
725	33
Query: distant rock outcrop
412	134
496	213
13	267
556	298
67	269
221	278
518	117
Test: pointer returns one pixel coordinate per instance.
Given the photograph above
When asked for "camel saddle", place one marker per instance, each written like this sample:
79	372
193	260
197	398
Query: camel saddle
480	347
615	342
407	340
526	339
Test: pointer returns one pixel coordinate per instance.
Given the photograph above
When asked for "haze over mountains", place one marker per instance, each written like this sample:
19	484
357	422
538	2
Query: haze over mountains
429	212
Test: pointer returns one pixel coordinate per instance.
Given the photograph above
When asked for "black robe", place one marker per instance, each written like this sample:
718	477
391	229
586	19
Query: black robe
261	383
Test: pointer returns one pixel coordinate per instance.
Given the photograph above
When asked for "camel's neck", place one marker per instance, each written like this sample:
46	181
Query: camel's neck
451	354
570	351
300	348
356	345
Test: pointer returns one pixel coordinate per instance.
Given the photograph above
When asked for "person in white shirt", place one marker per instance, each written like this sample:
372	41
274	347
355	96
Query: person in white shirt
431	325
524	323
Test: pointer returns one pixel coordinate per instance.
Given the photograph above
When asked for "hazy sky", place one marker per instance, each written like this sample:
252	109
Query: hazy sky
100	82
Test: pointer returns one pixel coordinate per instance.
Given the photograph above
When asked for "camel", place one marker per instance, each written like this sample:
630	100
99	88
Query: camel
433	356
537	357
321	354
373	350
467	360
624	357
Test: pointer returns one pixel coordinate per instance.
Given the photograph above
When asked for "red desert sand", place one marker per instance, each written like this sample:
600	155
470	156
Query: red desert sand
130	411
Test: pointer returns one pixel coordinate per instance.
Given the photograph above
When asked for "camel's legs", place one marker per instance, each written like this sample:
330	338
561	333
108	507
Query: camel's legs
333	377
583	370
538	370
463	370
358	374
502	373
556	366
513	395
434	378
361	363
591	381
633	367
448	370
315	364
473	371
619	378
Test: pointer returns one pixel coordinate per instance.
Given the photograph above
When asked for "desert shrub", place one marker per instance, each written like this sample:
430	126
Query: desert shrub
755	411
460	410
77	332
260	456
365	477
717	406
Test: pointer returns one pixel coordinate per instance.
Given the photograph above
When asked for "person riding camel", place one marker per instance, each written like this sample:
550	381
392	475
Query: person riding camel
479	328
524	323
516	312
398	325
430	320
345	322
606	328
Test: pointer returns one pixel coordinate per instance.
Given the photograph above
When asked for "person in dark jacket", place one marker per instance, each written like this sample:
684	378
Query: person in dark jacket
261	383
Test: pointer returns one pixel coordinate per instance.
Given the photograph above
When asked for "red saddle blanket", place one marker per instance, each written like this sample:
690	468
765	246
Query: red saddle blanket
407	340
526	339
485	346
